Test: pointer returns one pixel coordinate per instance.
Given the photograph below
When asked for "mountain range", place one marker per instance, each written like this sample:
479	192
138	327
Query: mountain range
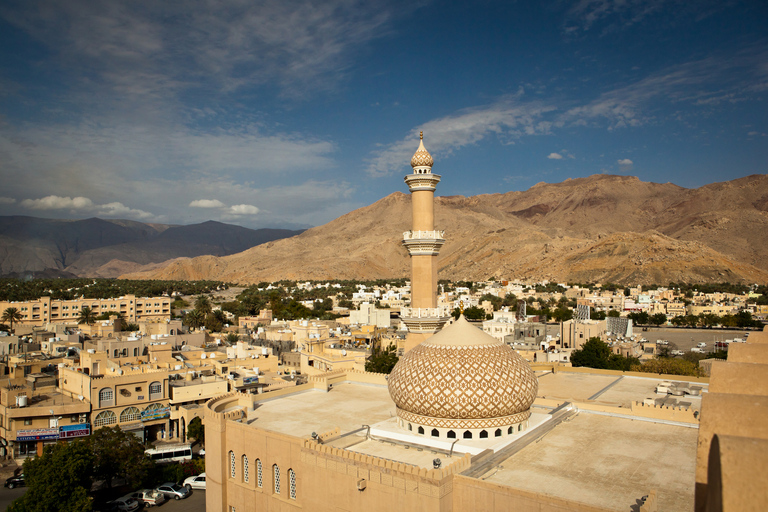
107	248
602	228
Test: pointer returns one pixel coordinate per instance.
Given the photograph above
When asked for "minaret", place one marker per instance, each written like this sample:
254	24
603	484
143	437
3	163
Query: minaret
423	318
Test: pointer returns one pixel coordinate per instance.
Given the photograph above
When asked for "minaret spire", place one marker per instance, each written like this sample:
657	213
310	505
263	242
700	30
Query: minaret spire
423	243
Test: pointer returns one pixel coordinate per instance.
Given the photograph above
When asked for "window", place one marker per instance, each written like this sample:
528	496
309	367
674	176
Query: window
467	434
421	430
451	434
276	473
156	388
498	432
259	479
105	418
435	432
232	464
27	422
130	414
106	397
483	434
245	469
292	482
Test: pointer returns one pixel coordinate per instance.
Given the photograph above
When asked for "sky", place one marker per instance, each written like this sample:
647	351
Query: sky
281	113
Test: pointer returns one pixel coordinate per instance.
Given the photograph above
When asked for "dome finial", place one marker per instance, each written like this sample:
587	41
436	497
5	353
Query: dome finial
422	158
421	135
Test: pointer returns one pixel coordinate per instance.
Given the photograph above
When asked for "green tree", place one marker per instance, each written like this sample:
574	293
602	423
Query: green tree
117	453
667	366
613	313
203	305
383	361
472	313
658	319
87	316
59	480
196	430
232	337
493	299
593	354
12	315
194	319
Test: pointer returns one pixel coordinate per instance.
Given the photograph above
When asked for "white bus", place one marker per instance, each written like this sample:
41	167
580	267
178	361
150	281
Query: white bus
170	453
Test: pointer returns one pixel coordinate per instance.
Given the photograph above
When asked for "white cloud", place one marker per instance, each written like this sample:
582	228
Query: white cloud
625	161
507	119
84	205
7	200
625	164
58	203
206	203
243	209
555	156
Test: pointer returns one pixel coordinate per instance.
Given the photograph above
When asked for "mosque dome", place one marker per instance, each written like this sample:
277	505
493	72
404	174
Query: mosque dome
463	378
421	158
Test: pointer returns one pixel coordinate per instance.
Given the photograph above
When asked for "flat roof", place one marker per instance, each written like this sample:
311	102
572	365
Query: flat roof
607	461
577	386
629	389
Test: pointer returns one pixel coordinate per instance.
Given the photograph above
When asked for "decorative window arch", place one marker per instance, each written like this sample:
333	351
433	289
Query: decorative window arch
117	353
231	464
130	414
467	434
451	434
105	418
435	432
259	476
106	397
246	476
410	427
498	432
510	430
421	430
276	476
292	484
153	407
483	434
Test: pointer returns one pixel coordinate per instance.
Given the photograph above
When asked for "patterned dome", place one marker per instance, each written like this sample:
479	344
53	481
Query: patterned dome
462	373
421	158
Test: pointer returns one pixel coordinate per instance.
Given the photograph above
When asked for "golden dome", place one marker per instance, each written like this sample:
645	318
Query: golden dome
421	158
463	373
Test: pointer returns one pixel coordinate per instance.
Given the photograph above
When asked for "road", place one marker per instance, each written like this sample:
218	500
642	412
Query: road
195	503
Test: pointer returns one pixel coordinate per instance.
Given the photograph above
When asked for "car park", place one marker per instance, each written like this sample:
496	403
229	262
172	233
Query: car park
124	504
195	482
15	481
175	491
149	497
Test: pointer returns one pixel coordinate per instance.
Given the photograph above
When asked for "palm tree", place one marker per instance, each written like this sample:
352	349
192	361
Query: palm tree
194	319
87	316
203	305
12	315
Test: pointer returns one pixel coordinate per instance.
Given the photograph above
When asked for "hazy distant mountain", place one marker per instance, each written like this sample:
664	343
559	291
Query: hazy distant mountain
107	248
601	228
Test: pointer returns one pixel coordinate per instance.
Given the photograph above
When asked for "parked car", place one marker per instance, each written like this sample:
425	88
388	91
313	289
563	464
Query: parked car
175	491
149	497
15	481
124	504
195	482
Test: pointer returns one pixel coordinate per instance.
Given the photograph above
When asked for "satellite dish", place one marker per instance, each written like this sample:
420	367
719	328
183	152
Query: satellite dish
343	352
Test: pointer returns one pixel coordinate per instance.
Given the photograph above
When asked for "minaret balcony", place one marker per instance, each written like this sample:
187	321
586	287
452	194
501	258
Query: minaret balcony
423	243
422	181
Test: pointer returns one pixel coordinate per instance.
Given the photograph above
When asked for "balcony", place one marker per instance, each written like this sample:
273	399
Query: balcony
423	235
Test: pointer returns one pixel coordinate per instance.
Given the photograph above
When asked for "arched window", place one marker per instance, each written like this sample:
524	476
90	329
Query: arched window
483	434
510	430
245	469
498	432
292	483
106	397
467	434
435	432
231	464
135	351
259	477
117	353
155	390
520	427
421	430
276	477
410	427
451	434
130	414
105	418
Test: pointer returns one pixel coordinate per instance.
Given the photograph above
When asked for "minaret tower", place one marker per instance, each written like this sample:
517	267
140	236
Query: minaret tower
423	318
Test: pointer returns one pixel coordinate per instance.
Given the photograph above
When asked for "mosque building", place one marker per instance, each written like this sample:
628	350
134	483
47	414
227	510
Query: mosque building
464	423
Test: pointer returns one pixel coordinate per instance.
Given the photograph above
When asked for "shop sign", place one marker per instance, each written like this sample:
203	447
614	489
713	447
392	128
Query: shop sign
37	434
156	414
250	380
70	431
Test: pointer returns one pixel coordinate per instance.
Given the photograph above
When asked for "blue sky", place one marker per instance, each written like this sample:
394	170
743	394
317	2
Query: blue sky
288	114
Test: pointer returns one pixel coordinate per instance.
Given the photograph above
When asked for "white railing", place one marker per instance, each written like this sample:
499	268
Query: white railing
423	235
438	312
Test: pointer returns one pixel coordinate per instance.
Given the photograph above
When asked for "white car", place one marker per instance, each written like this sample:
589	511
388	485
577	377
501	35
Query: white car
124	504
149	497
195	482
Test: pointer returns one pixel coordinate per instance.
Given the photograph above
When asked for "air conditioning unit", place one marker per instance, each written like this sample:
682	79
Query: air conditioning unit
82	420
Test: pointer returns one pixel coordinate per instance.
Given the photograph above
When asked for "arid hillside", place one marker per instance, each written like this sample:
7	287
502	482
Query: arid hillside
600	228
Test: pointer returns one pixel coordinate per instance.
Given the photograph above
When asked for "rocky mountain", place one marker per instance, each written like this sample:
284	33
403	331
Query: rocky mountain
107	248
601	228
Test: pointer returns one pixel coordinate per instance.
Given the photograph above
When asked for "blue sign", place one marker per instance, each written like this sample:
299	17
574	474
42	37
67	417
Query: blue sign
37	434
69	431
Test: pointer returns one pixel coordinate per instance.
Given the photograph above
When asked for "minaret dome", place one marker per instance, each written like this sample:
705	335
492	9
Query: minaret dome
421	160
